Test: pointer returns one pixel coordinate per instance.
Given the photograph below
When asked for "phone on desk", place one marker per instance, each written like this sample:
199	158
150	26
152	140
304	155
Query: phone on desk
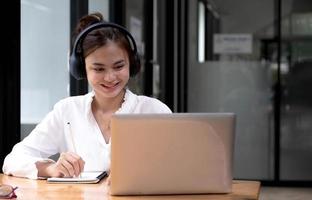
85	177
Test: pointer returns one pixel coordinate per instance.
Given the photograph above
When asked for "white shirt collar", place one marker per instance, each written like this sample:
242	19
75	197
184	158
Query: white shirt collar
127	106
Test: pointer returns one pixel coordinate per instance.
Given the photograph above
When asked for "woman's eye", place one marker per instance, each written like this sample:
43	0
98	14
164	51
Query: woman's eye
119	66
98	69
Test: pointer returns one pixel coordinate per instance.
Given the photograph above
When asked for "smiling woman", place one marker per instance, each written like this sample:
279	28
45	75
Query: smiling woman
105	54
108	70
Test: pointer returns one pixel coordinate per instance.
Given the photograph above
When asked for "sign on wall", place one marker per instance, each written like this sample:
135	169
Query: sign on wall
232	43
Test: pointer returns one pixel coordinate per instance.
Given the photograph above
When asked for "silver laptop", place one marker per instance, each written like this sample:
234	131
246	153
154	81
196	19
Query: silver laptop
180	153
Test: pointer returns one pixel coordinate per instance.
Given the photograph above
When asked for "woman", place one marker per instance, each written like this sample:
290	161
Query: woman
78	127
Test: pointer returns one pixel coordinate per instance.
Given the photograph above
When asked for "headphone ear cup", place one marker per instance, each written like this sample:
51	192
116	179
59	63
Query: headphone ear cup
76	66
136	65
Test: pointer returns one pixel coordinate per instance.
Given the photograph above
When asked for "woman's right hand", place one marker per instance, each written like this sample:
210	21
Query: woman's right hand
69	164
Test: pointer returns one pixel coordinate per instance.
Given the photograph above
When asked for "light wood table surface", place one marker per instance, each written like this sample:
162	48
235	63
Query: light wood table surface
40	189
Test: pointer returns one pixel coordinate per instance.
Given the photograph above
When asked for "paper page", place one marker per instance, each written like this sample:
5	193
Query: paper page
86	177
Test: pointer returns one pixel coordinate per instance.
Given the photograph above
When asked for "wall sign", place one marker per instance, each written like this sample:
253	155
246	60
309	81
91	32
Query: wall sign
232	43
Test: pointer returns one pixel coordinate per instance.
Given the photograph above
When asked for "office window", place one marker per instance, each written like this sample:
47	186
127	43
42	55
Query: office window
44	58
207	25
201	31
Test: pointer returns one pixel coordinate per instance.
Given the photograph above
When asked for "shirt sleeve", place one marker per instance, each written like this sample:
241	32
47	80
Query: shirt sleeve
45	140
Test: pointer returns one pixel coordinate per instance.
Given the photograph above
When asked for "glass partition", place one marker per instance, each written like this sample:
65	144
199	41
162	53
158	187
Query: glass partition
231	75
44	55
296	106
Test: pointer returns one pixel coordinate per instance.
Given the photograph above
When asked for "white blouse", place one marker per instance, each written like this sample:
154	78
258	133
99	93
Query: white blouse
52	135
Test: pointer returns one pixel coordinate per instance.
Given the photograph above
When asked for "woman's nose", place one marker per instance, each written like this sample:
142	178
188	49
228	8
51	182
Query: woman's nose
109	76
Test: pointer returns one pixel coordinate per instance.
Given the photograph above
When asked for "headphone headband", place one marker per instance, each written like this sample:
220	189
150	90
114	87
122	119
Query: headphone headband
76	60
81	36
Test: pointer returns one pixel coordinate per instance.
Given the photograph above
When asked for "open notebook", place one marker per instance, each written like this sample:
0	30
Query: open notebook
86	177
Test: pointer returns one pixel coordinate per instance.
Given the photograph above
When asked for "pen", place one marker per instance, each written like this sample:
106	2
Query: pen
73	141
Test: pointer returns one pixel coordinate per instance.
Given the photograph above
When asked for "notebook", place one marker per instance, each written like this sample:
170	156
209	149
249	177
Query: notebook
179	153
85	177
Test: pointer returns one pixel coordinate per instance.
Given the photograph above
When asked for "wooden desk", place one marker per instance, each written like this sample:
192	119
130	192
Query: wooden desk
39	189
